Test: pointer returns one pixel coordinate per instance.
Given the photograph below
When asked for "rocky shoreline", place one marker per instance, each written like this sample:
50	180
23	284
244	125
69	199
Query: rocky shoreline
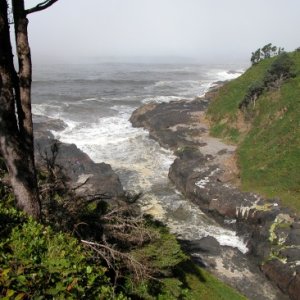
206	173
93	178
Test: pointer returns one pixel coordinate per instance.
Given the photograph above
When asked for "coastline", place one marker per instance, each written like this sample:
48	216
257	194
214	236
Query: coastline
80	169
205	172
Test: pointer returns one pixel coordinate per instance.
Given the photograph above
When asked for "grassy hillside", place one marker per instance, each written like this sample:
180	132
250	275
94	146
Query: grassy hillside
267	134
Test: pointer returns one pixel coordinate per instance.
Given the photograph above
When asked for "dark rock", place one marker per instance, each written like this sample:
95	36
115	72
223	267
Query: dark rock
42	126
99	178
182	168
295	225
279	273
292	254
208	245
160	119
294	288
294	237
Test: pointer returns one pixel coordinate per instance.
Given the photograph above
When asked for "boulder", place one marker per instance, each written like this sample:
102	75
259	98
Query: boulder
208	245
294	288
279	273
93	178
294	236
164	121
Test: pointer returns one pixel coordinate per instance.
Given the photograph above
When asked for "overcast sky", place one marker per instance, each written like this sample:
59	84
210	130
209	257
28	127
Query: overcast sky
204	30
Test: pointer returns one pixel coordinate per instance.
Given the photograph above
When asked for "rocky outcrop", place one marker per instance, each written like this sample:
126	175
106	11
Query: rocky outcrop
98	178
207	244
168	124
202	173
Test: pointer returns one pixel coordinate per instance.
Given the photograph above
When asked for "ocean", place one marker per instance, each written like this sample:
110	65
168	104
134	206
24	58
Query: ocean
96	102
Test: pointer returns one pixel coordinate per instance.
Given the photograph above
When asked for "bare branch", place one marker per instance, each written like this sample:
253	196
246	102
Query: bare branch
111	255
40	6
81	184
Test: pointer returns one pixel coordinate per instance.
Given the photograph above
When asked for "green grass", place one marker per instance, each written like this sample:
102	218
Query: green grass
269	153
205	286
223	111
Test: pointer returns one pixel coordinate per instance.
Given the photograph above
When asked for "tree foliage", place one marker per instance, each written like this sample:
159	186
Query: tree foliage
280	70
253	92
265	52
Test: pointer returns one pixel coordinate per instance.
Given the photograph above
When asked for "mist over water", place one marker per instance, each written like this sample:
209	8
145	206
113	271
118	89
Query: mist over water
96	102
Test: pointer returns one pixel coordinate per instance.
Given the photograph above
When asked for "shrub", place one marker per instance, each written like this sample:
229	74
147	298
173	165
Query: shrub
37	262
254	91
280	70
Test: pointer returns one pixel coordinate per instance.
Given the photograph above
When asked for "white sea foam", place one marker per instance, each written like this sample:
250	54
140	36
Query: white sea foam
110	130
49	110
188	222
90	99
205	87
161	99
225	75
184	89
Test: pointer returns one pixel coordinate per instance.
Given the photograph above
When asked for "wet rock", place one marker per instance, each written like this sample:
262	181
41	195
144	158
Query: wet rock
294	288
197	178
295	225
294	236
292	254
279	273
209	245
163	121
182	169
94	178
43	125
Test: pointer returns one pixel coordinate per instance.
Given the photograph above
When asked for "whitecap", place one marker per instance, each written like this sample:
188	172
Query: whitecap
161	99
228	75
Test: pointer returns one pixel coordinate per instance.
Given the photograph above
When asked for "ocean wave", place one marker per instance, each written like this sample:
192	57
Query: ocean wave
173	84
220	74
100	81
49	110
228	75
90	99
161	99
109	130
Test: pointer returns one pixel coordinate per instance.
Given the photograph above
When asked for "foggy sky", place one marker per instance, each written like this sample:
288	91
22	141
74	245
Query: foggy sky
202	30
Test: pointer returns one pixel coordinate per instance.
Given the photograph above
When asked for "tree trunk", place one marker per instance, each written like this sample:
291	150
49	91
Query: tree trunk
25	72
16	137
